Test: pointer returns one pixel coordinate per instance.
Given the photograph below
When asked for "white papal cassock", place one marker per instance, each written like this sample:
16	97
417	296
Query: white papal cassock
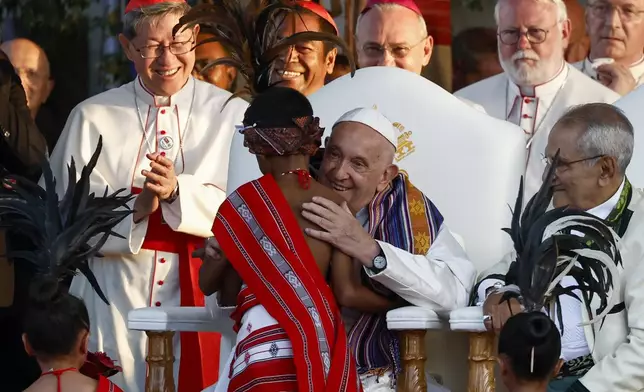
190	129
536	109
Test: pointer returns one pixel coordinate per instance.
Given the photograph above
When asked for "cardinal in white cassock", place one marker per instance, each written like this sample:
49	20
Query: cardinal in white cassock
166	138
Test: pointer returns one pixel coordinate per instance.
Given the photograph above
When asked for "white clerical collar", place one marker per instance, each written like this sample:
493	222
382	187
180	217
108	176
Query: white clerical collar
637	68
603	210
183	96
550	87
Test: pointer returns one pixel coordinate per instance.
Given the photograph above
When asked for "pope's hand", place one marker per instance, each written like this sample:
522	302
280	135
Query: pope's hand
340	229
616	77
161	179
146	203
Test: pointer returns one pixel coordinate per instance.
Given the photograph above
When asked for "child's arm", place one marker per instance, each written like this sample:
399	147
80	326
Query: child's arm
230	287
211	273
350	292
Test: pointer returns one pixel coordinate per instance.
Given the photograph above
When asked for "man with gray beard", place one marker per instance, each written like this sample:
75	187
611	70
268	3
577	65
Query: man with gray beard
537	85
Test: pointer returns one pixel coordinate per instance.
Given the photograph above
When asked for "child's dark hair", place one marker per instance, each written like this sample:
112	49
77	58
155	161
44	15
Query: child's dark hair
53	319
533	344
277	107
280	121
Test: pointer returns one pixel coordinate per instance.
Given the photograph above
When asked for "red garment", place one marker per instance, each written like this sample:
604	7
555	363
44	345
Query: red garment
104	385
199	366
261	238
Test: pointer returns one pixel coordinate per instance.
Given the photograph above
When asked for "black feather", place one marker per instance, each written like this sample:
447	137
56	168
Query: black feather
548	244
62	229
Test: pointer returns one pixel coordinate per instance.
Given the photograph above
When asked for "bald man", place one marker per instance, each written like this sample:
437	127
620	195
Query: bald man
32	65
222	76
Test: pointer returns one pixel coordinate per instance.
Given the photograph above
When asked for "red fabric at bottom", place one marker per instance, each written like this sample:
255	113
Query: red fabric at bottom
266	375
105	385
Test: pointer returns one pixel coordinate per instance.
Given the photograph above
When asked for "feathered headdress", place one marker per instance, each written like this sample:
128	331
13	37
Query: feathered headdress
251	35
557	243
65	233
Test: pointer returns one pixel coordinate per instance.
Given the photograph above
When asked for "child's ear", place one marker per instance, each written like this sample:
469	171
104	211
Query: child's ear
504	365
557	367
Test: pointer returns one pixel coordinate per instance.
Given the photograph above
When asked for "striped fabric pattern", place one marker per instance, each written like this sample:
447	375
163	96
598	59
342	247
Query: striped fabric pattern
400	215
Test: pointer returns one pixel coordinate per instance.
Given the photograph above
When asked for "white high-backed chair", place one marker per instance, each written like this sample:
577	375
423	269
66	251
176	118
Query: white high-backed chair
468	163
633	106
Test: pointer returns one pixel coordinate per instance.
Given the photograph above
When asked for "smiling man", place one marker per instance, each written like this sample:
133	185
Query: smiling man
305	66
595	144
537	85
616	31
166	138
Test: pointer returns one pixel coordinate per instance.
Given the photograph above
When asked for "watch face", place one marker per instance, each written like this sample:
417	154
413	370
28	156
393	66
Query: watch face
379	262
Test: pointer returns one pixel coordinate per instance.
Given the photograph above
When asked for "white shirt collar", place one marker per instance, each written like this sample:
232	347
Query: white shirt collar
549	88
363	217
603	210
183	96
637	69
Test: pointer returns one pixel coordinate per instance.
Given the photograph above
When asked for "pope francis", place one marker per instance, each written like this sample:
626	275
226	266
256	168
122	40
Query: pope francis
166	139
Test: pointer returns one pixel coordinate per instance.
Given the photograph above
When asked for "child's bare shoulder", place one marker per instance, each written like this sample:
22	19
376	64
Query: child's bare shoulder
330	194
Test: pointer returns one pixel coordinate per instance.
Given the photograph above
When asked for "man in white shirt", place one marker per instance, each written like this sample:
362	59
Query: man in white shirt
166	138
596	144
537	86
616	31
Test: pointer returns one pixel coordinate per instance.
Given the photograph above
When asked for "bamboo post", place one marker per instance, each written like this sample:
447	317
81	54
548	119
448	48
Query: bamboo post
160	360
413	357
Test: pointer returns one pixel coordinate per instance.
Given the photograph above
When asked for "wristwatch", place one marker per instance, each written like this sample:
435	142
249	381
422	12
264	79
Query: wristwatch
379	263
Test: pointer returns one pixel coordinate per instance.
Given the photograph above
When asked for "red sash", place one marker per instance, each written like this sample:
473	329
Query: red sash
261	238
195	346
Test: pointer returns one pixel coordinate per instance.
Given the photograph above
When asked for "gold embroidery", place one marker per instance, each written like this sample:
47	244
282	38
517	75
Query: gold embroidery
417	207
421	242
405	145
419	225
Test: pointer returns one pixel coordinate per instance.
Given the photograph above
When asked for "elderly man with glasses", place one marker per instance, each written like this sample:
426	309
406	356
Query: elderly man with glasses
595	144
166	138
537	85
393	33
616	31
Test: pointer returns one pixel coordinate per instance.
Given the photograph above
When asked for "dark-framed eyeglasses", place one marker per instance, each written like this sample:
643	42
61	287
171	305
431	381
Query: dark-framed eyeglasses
604	10
533	35
176	48
399	51
547	161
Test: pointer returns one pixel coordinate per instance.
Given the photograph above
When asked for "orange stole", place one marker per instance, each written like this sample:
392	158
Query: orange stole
261	238
194	345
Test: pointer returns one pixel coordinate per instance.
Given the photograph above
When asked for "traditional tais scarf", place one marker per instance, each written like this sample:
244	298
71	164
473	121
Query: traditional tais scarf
303	138
400	215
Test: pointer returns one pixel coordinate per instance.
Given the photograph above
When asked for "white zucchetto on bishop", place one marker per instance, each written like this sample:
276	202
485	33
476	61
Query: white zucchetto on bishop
373	119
